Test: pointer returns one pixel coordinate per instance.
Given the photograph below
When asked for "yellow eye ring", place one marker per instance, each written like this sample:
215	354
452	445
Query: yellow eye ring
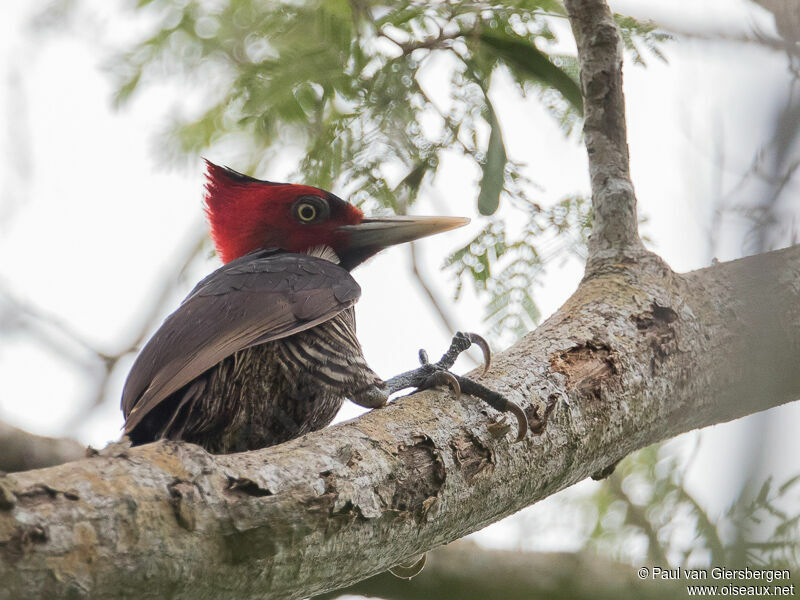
306	212
310	209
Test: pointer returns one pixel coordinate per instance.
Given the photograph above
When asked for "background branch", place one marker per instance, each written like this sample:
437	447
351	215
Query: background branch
21	451
58	336
466	571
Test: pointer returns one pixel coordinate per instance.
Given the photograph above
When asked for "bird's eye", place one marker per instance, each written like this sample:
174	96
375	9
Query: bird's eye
311	209
306	212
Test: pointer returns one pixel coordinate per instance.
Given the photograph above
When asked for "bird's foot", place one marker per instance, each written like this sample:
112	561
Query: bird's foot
430	375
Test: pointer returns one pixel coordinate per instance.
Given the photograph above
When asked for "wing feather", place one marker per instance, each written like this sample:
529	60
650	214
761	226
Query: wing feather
263	296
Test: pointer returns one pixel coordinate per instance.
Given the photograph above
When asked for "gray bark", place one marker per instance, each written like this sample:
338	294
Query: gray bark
637	355
615	229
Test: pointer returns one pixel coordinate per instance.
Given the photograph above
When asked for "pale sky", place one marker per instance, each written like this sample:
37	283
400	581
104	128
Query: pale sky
89	221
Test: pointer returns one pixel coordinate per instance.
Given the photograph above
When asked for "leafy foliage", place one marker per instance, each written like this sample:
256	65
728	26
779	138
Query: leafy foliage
645	504
637	35
509	270
338	83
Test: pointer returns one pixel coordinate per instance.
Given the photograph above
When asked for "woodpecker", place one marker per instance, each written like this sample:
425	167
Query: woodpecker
264	349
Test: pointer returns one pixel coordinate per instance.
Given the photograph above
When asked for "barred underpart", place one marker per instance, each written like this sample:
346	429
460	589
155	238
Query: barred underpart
270	393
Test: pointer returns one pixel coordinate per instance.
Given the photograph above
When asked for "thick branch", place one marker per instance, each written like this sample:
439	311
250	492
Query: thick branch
22	451
615	229
637	355
468	572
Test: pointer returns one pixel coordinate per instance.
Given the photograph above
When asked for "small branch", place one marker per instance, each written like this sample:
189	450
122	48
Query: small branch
57	335
23	451
438	42
636	516
712	539
41	325
192	249
759	39
600	54
448	324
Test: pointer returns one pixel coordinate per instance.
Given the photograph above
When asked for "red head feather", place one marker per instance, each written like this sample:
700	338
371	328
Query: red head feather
246	214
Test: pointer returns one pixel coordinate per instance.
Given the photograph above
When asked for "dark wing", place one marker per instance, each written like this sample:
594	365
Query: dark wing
263	296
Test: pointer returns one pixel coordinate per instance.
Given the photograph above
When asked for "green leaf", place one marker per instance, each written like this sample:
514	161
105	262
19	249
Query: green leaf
414	178
493	167
126	90
523	56
401	16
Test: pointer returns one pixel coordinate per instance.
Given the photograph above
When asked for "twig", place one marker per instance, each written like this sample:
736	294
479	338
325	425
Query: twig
635	516
154	314
437	42
53	333
707	526
448	324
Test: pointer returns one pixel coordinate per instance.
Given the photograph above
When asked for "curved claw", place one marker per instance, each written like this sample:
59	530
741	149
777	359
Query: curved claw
522	420
484	346
445	378
410	570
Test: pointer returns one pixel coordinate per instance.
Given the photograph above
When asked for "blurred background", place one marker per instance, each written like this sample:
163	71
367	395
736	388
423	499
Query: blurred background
460	108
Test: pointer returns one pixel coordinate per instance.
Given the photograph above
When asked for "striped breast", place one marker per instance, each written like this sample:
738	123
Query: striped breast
273	392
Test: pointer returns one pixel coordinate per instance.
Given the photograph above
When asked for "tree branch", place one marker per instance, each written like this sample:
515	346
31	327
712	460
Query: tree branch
637	355
615	230
468	572
21	451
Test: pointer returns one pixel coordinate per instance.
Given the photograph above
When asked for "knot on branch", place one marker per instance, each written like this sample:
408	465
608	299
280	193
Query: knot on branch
419	487
656	325
182	495
588	367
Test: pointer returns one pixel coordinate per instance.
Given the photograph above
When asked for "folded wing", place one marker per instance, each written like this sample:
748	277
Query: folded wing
263	296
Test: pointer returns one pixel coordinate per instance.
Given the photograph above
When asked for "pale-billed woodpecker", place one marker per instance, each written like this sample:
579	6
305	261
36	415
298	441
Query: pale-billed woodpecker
264	349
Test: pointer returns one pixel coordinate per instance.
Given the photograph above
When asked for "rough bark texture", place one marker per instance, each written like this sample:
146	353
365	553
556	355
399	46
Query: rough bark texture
21	451
637	355
615	230
467	572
